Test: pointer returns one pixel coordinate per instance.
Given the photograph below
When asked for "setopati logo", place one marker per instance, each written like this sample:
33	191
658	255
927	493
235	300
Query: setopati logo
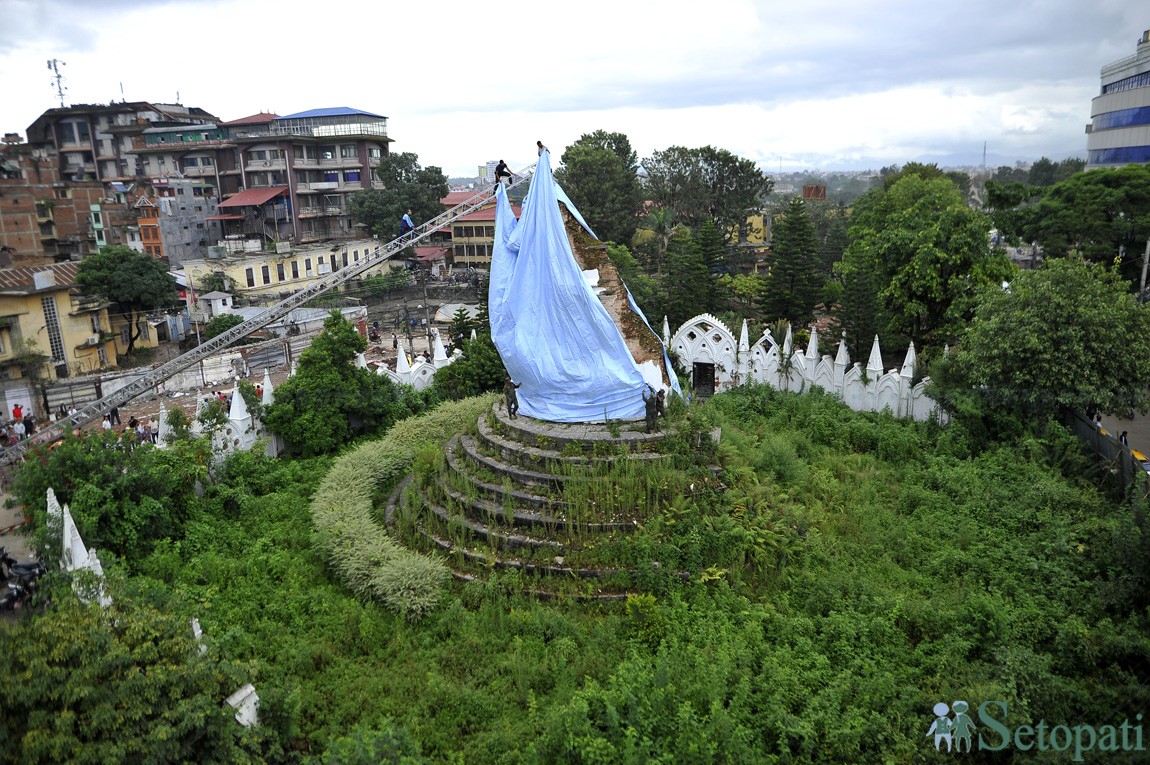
953	730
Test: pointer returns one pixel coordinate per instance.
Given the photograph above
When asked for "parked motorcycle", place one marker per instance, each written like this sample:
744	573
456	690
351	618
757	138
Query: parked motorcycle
25	572
13	597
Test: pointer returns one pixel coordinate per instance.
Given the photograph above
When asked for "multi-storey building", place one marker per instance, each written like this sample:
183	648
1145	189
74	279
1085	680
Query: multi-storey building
263	276
44	217
473	235
48	329
280	179
95	141
1119	129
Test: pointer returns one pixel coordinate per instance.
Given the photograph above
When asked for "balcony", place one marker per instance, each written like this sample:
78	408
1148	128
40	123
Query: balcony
319	186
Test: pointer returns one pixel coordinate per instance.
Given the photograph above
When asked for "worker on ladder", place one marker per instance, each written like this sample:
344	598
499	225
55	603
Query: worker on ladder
405	225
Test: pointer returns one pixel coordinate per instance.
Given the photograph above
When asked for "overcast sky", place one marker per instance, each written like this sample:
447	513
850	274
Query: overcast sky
818	84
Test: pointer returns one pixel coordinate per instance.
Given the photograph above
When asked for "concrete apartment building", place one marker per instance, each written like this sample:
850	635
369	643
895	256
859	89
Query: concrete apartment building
1119	129
44	218
279	179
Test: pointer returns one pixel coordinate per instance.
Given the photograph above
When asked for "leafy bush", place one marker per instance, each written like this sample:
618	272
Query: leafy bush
410	584
362	554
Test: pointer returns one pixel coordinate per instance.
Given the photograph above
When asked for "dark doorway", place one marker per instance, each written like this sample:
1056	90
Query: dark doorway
703	379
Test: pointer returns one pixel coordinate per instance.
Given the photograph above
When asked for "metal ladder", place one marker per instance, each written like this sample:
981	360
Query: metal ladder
380	254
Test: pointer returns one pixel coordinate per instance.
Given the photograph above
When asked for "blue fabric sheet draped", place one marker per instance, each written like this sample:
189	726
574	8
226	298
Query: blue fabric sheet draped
554	335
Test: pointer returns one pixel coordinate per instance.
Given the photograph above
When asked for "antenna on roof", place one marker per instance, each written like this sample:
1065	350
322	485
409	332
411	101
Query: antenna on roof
57	79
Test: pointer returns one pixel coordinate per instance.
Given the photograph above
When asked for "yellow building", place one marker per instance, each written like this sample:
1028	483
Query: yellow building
275	275
48	330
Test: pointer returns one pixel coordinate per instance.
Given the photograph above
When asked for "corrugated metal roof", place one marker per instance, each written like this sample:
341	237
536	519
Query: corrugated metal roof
22	280
332	111
254	197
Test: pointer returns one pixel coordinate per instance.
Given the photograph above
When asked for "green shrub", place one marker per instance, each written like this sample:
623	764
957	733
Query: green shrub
410	584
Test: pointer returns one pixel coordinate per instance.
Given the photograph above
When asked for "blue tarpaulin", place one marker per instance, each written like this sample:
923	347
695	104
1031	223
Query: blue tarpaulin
554	335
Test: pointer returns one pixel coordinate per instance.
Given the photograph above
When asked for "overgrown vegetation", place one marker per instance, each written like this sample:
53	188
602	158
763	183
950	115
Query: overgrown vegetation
851	571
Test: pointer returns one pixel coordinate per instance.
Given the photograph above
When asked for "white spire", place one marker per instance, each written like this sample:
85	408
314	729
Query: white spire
813	344
164	429
744	341
402	365
874	363
239	408
666	331
843	358
788	343
438	353
909	365
266	399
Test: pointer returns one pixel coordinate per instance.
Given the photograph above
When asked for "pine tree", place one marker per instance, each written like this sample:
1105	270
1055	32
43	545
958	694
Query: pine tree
793	284
685	280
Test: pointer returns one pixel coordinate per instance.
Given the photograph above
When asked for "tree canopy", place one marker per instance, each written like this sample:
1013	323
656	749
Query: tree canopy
792	287
406	185
928	252
135	281
706	184
1104	215
1067	336
123	685
600	174
329	400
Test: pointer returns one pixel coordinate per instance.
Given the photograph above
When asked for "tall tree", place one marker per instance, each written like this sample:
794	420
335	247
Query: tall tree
711	248
792	287
329	400
406	185
600	174
686	279
654	236
1104	215
929	253
134	281
1067	336
707	184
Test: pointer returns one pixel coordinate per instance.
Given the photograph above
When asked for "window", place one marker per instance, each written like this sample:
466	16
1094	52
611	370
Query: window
295	269
355	255
349	151
97	219
206	162
297	152
345	257
374	152
251	275
257	154
309	152
331	177
52	324
319	260
468	231
327	152
307	266
102	355
63	193
351	176
489	232
265	272
280	272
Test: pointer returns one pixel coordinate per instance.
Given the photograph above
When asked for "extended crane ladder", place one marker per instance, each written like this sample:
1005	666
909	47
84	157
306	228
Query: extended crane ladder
216	344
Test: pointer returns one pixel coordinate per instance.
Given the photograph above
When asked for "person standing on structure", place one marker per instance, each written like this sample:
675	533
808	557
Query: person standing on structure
405	225
502	171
